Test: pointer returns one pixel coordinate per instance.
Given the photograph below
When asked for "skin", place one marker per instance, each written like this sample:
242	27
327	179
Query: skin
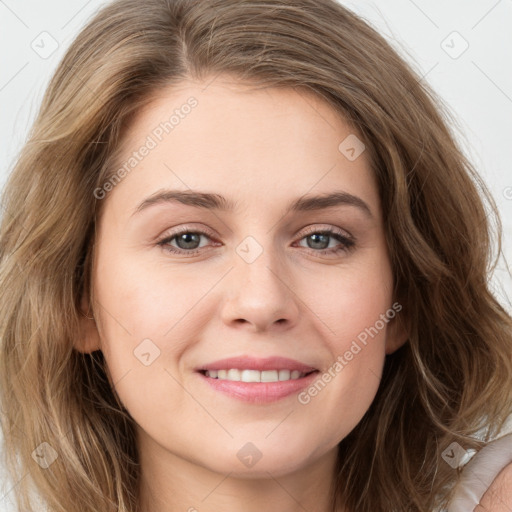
262	148
498	498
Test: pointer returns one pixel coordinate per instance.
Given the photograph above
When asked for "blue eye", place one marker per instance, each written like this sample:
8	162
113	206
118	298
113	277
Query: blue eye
321	240
188	243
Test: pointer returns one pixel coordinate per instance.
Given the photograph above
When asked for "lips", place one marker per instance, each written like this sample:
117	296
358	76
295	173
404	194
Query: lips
223	376
261	364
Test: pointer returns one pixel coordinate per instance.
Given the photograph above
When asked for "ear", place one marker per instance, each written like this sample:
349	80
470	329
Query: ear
396	331
88	339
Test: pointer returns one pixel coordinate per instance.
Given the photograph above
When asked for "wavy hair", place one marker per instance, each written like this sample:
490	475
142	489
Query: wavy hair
448	382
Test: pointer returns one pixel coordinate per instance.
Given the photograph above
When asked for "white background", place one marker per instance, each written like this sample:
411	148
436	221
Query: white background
477	85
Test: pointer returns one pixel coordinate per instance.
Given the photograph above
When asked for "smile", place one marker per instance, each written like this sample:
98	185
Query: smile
255	375
257	387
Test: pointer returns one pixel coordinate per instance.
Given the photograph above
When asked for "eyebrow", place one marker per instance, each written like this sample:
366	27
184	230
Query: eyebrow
218	202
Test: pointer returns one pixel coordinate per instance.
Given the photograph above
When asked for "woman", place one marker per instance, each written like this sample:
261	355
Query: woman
245	264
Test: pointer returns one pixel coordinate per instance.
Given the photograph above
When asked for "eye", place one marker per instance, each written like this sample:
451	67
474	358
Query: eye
319	240
187	242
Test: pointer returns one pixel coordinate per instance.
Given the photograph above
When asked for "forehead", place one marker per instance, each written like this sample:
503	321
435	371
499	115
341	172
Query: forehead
241	141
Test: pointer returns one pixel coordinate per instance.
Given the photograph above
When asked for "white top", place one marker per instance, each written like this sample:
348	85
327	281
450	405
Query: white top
480	472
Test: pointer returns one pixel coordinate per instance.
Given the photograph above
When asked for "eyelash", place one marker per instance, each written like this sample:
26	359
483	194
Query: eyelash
347	243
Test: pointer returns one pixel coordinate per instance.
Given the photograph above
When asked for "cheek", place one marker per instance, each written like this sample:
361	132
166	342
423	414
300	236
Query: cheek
137	314
345	389
148	315
350	301
355	310
140	301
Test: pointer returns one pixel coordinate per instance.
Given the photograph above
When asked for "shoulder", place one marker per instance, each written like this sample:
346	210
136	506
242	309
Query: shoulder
486	481
498	497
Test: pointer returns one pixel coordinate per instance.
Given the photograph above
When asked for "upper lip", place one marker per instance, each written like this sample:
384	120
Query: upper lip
254	363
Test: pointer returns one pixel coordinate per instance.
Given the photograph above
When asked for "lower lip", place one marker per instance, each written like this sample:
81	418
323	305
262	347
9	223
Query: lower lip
260	392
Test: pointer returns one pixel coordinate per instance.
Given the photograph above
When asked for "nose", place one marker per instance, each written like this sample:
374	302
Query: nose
260	295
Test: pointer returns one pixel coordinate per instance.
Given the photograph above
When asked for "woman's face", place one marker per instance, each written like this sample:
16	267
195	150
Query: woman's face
202	256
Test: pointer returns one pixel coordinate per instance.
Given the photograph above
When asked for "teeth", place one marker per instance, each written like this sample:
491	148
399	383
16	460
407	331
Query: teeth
250	376
254	375
233	375
284	374
269	376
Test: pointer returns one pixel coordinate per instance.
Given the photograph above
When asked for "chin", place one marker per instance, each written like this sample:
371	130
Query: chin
250	462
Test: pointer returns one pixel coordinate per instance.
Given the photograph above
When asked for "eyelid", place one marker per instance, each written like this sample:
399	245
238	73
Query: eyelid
328	227
185	228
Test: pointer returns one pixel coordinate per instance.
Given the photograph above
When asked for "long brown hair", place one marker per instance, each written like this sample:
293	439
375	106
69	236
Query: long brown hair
451	379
